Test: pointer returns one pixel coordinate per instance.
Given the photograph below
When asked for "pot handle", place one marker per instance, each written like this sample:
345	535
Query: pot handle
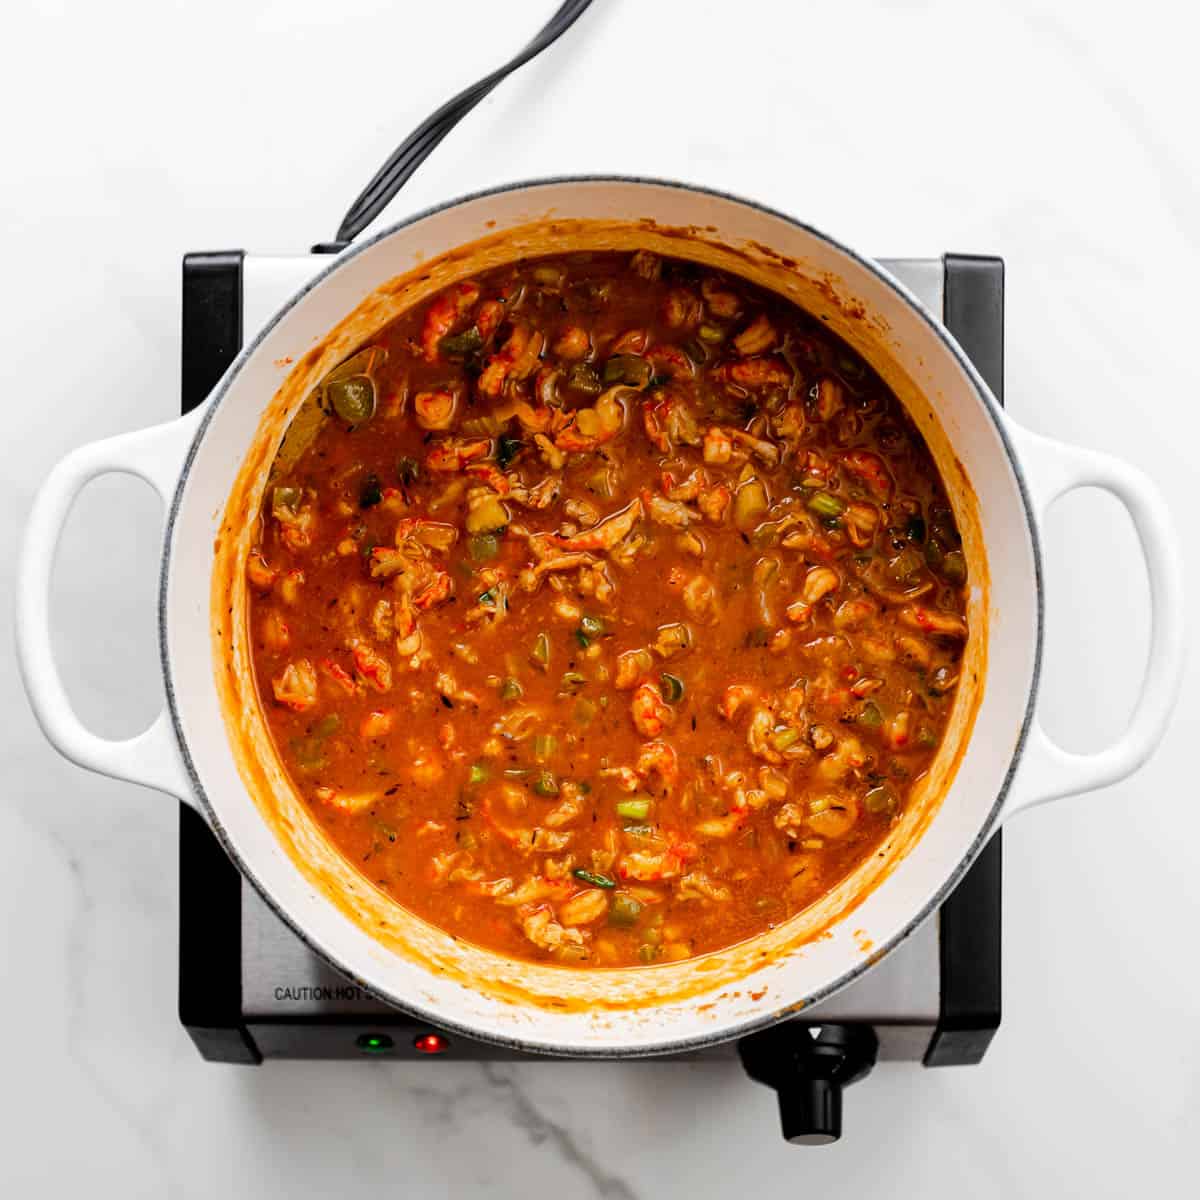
151	758
1051	470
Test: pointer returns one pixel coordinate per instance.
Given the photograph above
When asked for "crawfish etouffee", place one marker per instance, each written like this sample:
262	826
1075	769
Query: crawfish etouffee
610	610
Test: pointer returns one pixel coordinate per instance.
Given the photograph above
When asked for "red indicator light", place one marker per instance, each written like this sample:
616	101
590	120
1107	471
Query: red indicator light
431	1043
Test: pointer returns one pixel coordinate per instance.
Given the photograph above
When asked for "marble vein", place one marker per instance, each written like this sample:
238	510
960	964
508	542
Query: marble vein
541	1129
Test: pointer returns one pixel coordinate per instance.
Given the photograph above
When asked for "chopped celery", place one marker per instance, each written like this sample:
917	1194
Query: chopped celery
309	752
870	717
636	808
624	910
285	499
352	399
906	564
750	504
880	799
826	505
629	369
954	567
483	547
462	345
328	724
545	783
583	378
592	627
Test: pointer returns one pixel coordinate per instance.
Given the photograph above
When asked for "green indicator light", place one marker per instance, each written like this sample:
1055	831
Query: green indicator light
374	1043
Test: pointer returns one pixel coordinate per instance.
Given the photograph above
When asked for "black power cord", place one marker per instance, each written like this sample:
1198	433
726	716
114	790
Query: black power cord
423	140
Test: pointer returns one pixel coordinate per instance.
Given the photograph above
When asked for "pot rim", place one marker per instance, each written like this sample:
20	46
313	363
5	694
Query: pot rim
676	1045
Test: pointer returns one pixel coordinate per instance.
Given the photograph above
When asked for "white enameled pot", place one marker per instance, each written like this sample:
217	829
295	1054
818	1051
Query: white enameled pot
210	749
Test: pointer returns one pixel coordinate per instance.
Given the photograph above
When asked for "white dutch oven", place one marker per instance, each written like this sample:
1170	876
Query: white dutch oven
209	748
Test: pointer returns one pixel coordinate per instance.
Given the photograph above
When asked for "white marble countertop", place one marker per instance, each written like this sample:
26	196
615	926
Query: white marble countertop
1059	135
